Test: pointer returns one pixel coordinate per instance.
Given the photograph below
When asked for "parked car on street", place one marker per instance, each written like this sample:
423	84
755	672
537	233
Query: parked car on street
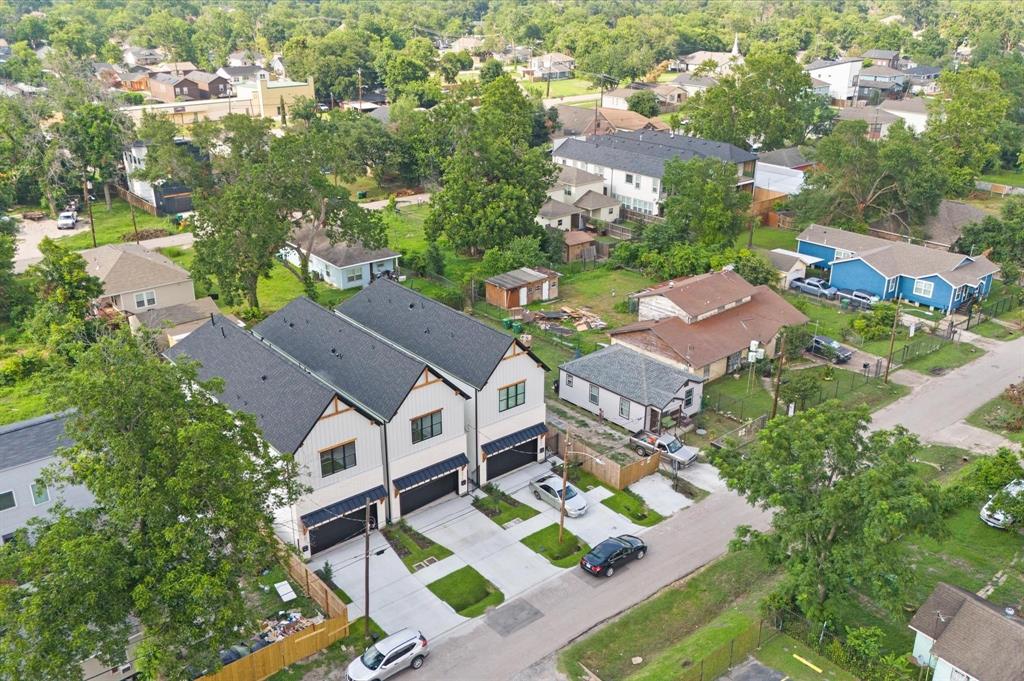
548	488
67	220
670	447
387	657
612	553
996	518
829	349
857	299
814	286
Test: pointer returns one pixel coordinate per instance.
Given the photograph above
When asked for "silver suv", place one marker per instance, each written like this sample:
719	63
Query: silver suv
390	655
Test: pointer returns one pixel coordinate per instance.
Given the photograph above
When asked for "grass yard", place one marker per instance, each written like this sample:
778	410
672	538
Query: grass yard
25	399
411	546
467	592
779	653
335	656
502	508
268	603
368	184
566	554
852	390
949	356
941	463
567	87
769	238
994	415
623	501
405	228
1010	177
833	321
743	398
996	331
112	225
661	625
599	290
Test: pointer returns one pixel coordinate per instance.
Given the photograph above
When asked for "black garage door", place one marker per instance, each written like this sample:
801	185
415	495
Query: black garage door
421	495
511	459
338	530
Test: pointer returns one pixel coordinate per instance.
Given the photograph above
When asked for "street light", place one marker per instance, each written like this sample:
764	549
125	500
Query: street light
565	482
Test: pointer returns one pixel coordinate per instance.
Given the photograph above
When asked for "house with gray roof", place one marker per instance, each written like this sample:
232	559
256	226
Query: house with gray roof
505	414
894	270
964	637
341	264
365	421
633	163
629	388
136	279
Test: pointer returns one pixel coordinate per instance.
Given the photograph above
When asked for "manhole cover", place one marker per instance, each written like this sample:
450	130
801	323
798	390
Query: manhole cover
512	617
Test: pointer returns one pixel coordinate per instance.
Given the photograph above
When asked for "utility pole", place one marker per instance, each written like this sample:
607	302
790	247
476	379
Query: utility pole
778	375
366	578
88	206
547	95
565	483
135	225
359	73
892	343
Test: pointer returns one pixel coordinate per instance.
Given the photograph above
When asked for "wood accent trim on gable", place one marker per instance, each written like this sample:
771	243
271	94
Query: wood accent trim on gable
517	350
336	445
426	378
337	408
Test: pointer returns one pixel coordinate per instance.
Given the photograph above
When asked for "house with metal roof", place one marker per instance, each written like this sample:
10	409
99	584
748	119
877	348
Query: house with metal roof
894	270
633	163
136	279
505	414
341	264
630	388
521	287
964	637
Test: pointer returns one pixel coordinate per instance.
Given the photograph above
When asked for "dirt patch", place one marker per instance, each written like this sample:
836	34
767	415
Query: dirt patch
145	234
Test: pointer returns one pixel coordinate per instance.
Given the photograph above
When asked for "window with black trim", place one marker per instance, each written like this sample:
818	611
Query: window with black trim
426	426
7	501
337	459
688	398
511	396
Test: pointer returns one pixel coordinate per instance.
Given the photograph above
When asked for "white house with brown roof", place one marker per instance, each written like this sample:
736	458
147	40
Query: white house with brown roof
137	279
706	324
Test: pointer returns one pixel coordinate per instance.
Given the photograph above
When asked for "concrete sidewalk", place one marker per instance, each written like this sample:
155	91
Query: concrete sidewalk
413	200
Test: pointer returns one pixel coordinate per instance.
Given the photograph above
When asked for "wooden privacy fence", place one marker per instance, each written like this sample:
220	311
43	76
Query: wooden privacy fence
266	662
603	468
136	200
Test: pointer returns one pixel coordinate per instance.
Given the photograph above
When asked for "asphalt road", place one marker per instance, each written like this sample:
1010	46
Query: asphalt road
548	617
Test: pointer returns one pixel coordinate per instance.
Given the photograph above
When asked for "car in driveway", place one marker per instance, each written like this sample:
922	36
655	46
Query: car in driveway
829	349
996	518
612	554
406	649
857	299
668	445
548	488
814	286
67	220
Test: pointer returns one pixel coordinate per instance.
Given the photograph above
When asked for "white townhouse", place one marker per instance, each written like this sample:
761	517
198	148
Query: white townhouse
505	412
840	74
632	163
366	422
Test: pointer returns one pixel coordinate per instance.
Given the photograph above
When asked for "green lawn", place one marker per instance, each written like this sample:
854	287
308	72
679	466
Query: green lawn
1011	177
833	321
335	656
25	399
941	462
568	87
467	592
565	554
411	546
269	603
949	356
599	290
113	224
662	624
853	390
994	416
769	238
405	228
991	329
779	654
744	398
622	501
502	508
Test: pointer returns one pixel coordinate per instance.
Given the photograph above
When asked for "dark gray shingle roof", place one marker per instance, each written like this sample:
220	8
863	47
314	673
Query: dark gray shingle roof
31	440
285	400
446	338
645	152
789	157
356	362
632	375
341	253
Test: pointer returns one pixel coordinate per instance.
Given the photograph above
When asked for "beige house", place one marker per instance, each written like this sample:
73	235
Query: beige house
260	98
136	279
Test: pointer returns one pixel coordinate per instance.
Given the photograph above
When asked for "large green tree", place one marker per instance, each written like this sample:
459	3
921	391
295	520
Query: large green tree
843	502
644	103
95	135
1004	235
185	492
65	292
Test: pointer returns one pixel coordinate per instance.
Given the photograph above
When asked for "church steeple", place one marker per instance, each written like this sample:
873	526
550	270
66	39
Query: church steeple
736	45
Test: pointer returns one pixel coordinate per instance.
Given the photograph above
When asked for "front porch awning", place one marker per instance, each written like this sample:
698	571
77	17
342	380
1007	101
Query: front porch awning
340	508
430	472
513	439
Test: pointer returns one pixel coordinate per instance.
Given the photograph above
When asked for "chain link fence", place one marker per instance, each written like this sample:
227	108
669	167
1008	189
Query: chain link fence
723	658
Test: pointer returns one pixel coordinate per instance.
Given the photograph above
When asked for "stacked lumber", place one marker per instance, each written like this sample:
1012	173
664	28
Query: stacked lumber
583	319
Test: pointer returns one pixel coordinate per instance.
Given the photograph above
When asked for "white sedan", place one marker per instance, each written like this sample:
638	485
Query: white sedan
548	488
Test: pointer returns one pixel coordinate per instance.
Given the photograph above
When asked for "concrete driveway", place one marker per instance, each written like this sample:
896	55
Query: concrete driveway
32	232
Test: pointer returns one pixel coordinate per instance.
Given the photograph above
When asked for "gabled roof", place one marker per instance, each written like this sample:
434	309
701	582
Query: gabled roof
782	261
448	339
828	63
577	238
169	79
923	71
946	226
880	54
702	293
521	277
175	66
718	336
869	114
553	208
790	157
568	176
973	634
896	258
646	152
124	268
688	78
258	380
907	104
340	254
178	314
203	76
27	441
592	200
623	119
249	71
358	364
880	70
632	375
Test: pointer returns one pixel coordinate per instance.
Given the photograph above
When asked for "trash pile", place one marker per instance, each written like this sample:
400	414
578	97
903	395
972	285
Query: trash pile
583	319
286	624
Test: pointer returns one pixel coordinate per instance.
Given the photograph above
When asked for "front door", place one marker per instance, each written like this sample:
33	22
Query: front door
523	293
545	291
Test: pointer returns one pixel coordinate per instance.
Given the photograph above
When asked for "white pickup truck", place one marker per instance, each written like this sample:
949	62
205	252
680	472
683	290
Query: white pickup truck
681	456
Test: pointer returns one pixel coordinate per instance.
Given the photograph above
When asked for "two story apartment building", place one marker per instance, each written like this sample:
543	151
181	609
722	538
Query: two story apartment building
632	163
840	74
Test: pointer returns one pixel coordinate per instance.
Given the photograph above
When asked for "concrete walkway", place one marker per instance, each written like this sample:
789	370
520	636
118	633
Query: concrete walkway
413	200
183	240
571	99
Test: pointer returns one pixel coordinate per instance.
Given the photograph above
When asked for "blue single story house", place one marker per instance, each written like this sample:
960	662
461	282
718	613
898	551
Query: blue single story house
896	270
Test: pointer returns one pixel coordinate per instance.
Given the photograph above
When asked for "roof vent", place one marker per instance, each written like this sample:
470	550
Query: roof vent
334	351
412	306
263	377
291	325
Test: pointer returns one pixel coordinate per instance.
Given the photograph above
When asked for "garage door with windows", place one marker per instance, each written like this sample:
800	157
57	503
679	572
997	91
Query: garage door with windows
418	489
513	451
333	524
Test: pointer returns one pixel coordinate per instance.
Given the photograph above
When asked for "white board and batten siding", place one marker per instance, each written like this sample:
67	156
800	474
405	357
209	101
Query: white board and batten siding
658	307
619	410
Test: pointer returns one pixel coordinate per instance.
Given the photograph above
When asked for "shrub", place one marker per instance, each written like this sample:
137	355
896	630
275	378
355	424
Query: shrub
452	297
21	366
985	476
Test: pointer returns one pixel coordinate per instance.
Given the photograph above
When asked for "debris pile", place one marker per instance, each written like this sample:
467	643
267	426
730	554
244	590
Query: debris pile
583	319
286	624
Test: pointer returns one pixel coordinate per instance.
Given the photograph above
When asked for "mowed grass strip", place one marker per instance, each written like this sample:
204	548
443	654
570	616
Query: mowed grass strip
565	554
467	592
112	224
949	356
779	652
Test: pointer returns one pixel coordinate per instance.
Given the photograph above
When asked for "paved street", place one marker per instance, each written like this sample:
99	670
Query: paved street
509	641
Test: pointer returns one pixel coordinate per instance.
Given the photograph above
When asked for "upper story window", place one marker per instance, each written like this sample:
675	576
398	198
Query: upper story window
629	178
842	254
7	500
337	459
512	396
924	288
688	398
145	299
426	426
